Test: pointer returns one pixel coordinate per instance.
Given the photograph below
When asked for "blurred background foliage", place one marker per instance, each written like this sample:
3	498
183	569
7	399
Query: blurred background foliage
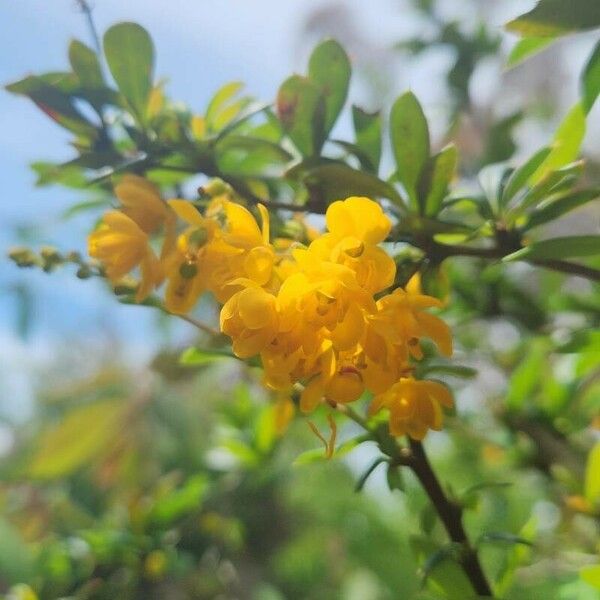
170	479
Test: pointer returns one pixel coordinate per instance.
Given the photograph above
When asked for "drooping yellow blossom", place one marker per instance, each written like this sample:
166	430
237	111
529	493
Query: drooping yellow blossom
121	246
415	406
308	312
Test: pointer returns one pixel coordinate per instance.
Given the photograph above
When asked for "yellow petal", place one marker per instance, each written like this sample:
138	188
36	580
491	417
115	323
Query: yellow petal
311	395
187	212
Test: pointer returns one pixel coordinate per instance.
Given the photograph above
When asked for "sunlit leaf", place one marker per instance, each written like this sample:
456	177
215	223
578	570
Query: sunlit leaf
592	476
521	176
410	140
527	47
81	436
129	54
195	357
329	67
562	247
220	100
301	110
557	17
591	574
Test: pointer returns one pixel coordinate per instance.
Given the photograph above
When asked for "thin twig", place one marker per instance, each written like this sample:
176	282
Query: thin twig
200	325
86	9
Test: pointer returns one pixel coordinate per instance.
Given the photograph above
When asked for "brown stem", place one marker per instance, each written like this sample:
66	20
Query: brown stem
450	515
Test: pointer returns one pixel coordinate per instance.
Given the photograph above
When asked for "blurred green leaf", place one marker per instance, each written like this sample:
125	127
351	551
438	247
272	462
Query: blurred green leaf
453	370
367	128
521	176
503	537
129	54
526	377
591	574
410	140
85	65
557	17
562	247
394	478
440	170
592	476
559	207
566	143
330	68
301	110
84	433
527	47
590	80
181	501
220	99
195	357
362	480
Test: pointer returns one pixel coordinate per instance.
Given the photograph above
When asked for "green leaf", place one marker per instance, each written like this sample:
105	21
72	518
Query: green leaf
367	128
220	99
81	436
557	17
440	171
590	80
566	143
527	47
129	53
526	377
503	537
85	65
562	247
410	140
592	476
309	457
521	176
336	180
330	68
394	478
591	574
301	110
57	104
180	502
459	371
556	208
195	357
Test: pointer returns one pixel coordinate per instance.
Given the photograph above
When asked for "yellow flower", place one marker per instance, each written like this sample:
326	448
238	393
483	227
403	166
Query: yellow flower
358	218
250	319
121	246
414	406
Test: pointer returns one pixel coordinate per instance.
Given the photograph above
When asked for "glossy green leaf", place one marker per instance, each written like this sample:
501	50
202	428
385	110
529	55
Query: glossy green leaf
562	247
410	140
81	436
330	69
590	80
559	207
592	475
335	181
438	174
566	144
129	54
367	128
527	47
557	17
85	65
521	176
301	110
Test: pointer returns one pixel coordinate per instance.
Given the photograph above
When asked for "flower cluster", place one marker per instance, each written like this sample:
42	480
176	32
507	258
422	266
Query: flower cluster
317	315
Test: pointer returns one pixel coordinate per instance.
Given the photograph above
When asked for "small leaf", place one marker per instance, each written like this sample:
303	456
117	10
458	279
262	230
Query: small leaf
459	371
557	17
129	54
590	80
218	101
81	436
195	357
500	536
527	47
563	247
309	457
566	143
556	208
336	180
410	140
301	110
394	478
330	69
592	476
85	65
440	172
367	128
180	502
521	176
